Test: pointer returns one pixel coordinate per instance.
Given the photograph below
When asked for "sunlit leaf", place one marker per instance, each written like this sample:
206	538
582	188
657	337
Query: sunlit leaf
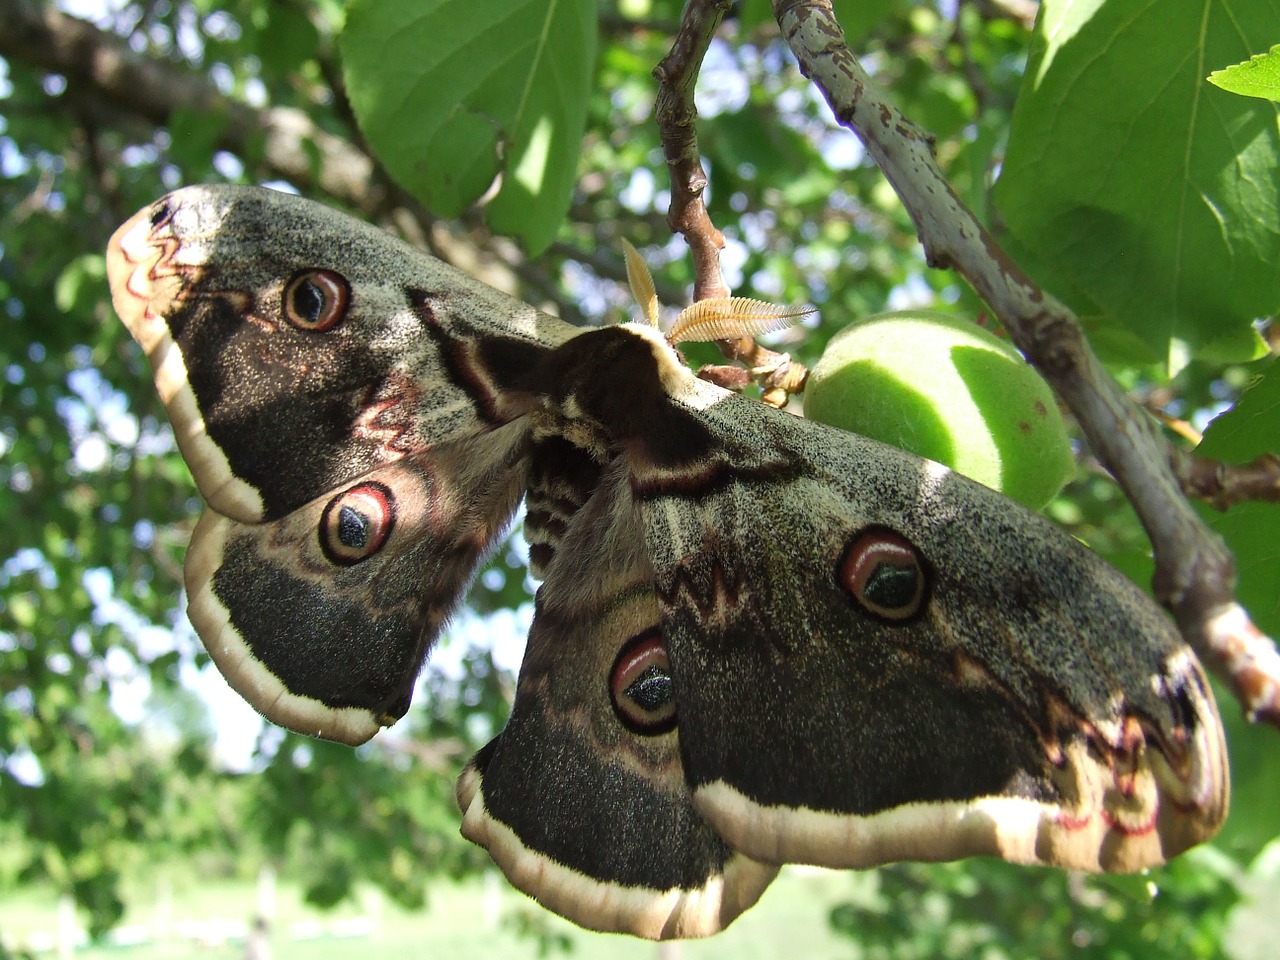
450	100
1259	76
1139	186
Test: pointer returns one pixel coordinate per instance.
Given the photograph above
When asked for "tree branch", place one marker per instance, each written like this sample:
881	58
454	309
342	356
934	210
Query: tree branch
677	116
1195	574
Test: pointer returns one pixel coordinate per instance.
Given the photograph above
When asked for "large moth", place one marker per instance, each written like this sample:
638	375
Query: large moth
758	640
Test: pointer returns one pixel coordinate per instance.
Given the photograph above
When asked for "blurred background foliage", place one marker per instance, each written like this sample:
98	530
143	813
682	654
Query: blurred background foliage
122	758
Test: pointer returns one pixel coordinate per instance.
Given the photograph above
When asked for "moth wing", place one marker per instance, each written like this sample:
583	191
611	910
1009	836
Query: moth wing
876	659
350	412
323	618
273	409
582	800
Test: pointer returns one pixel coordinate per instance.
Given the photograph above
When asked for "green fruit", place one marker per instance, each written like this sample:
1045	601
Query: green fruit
948	390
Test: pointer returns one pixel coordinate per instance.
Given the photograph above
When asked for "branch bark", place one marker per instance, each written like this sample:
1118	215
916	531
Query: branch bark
1195	573
1225	485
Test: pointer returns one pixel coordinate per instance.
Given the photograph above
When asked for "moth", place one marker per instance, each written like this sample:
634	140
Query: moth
758	640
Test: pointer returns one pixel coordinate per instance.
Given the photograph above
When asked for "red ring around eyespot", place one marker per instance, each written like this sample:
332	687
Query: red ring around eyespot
885	575
641	686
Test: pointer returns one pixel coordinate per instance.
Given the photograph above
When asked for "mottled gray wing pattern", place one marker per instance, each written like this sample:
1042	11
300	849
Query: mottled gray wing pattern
582	800
876	659
297	349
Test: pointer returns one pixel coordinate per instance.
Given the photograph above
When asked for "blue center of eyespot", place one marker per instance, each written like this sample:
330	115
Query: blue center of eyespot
308	301
353	528
891	586
651	690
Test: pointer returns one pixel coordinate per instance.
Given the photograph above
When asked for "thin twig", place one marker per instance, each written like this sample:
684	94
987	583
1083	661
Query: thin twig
1195	573
1225	485
676	117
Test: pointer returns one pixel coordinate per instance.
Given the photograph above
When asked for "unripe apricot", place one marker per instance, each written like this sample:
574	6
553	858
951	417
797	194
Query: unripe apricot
948	390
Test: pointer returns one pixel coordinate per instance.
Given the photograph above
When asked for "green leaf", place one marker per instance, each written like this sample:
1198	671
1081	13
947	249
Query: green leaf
450	99
1259	76
1130	178
1252	426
